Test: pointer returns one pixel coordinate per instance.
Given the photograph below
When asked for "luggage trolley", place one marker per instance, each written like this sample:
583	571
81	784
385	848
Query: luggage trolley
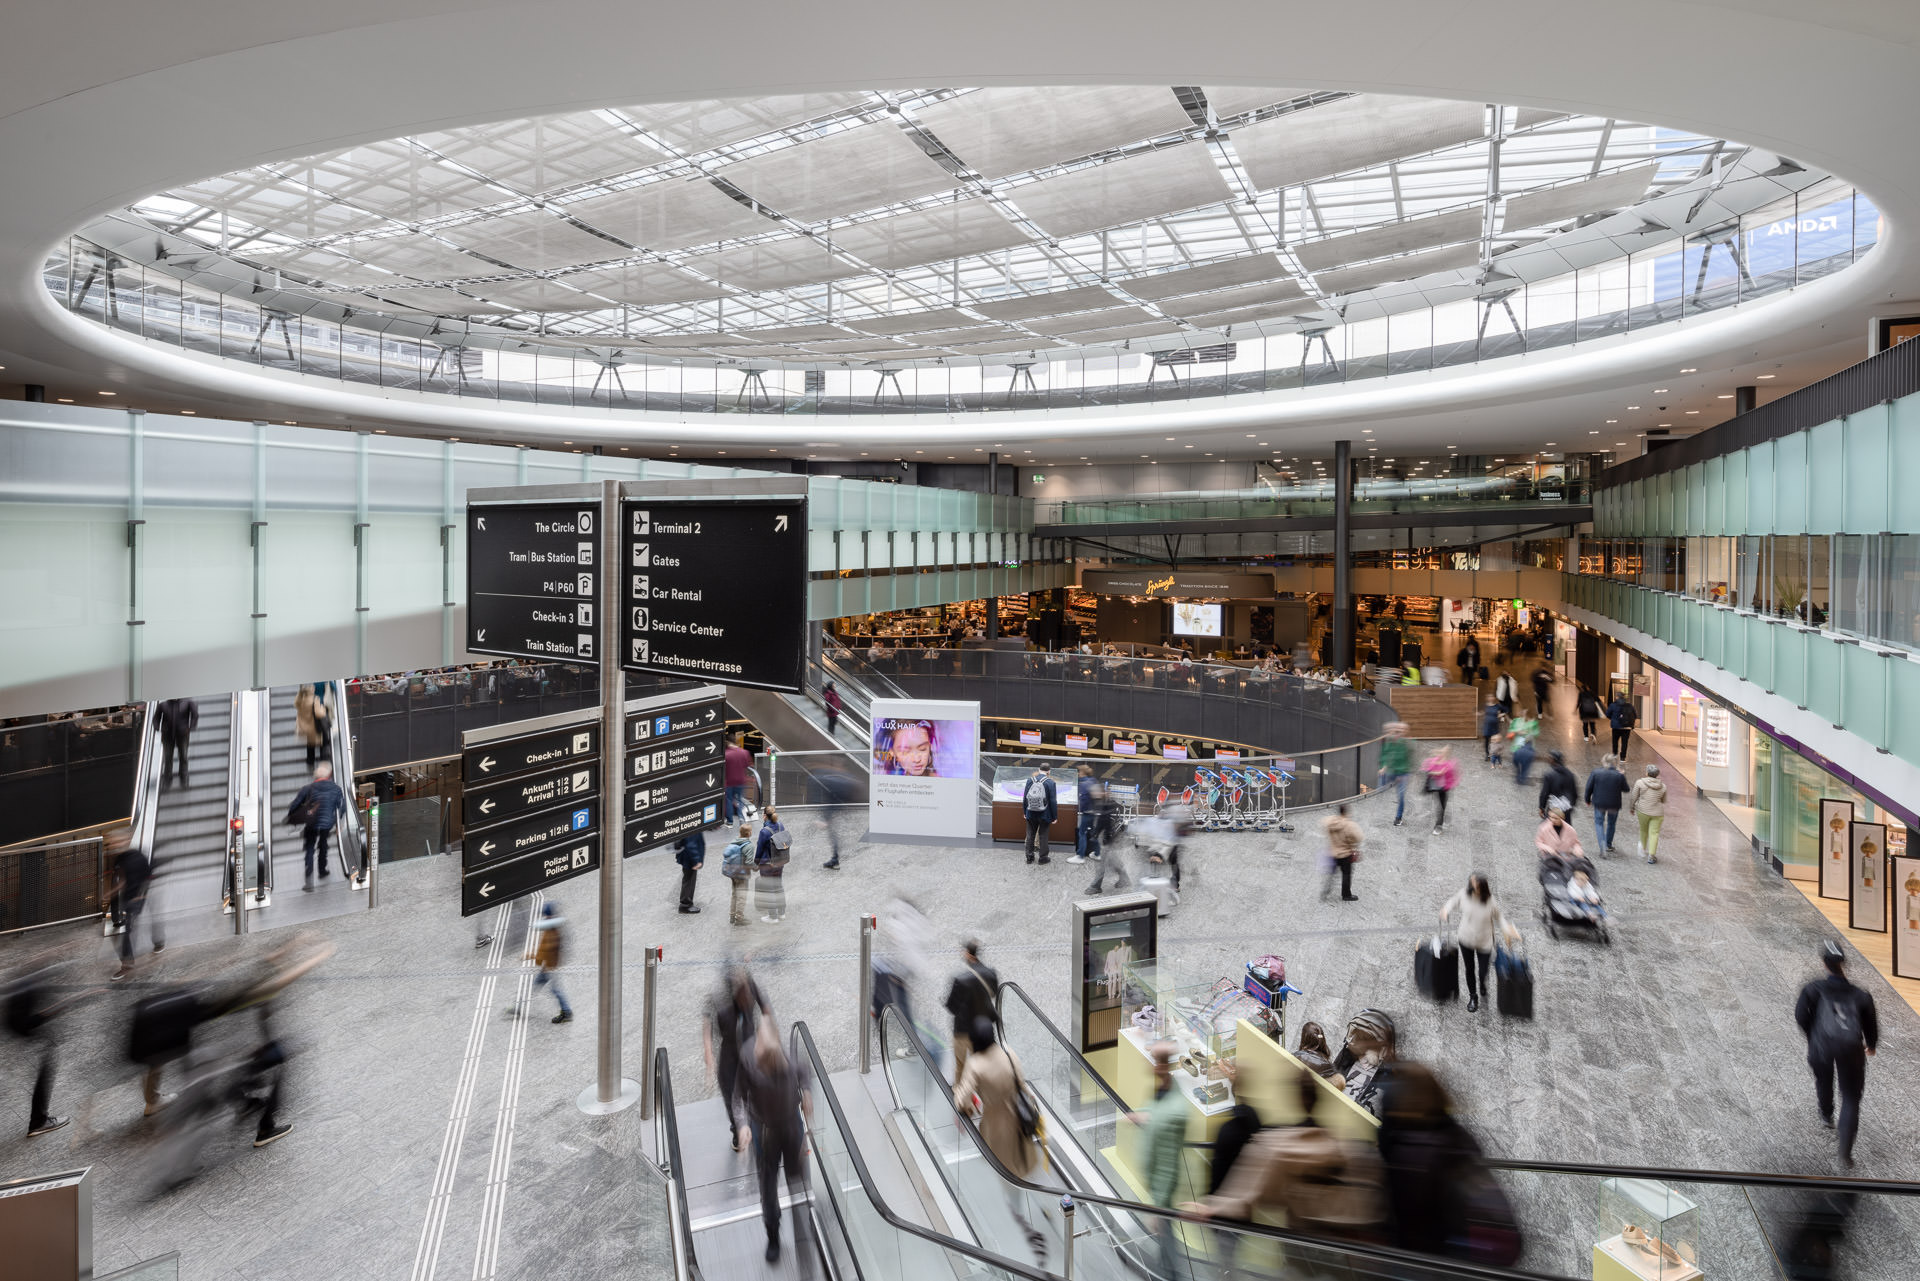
1282	773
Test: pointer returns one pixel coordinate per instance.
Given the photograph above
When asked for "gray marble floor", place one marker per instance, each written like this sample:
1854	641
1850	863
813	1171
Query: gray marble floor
1674	1046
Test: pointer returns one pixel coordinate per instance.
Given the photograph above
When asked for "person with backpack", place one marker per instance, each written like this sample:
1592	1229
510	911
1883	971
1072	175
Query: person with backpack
1648	801
733	1016
1542	687
1396	764
1039	802
777	1093
1621	716
691	855
1843	1031
315	809
1606	789
973	994
772	853
736	864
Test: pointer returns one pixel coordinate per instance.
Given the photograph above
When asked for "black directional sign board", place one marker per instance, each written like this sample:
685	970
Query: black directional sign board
546	830
671	789
541	751
521	876
532	581
660	725
715	589
671	758
657	827
484	806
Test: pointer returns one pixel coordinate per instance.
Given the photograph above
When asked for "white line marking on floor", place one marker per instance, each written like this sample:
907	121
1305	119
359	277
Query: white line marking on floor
426	1258
486	1252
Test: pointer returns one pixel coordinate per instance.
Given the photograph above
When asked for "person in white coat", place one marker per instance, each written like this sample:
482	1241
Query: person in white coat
1480	916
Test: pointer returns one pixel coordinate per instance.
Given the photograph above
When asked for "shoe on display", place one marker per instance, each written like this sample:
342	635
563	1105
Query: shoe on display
564	1016
277	1132
48	1126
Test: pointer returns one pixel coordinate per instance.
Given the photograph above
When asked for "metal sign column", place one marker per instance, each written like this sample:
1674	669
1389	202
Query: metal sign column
610	1091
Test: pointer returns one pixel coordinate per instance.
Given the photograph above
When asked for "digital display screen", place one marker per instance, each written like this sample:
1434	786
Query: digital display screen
1191	619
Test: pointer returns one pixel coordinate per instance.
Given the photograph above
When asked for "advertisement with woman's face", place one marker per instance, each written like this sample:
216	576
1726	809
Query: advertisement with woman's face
925	763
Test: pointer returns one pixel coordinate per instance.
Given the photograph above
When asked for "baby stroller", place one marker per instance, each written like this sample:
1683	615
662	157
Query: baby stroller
1560	910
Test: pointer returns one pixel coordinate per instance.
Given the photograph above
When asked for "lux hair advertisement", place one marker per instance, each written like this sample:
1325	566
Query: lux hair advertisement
925	768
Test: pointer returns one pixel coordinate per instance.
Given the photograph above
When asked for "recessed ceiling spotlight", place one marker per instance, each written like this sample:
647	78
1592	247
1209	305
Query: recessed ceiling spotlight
109	393
1551	442
1692	411
1633	406
1689	371
1766	375
65	400
1611	421
189	411
1594	432
1724	396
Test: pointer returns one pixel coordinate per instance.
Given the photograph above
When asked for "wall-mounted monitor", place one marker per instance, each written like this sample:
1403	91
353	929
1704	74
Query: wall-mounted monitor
1191	618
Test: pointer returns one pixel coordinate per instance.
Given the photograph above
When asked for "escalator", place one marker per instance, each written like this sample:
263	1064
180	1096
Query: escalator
1758	1226
189	824
864	1214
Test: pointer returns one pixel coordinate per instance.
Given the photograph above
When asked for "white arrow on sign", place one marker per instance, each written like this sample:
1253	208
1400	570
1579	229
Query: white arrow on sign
709	780
486	765
483	524
780	523
481	636
486	806
486	890
711	713
486	848
710	749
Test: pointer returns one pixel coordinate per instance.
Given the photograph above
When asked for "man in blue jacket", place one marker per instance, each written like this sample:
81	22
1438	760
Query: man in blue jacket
1086	838
690	854
1040	803
1621	716
315	809
1606	788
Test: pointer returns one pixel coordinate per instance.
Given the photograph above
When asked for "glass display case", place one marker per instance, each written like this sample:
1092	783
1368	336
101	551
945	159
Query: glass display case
1646	1230
1010	784
1197	1014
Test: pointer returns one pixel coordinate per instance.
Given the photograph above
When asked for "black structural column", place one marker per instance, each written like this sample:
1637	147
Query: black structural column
1744	399
993	602
1342	556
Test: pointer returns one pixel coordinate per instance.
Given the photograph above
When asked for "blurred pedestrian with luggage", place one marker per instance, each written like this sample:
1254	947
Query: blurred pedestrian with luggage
991	1088
1481	918
1843	1031
778	1094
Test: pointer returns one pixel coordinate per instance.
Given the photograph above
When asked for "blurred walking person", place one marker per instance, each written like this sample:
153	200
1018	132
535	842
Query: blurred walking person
132	873
178	718
1164	1148
1343	851
1589	709
1542	689
1396	764
1621	718
1480	915
1648	801
736	762
1086	787
691	855
30	1013
313	720
1490	735
548	940
777	1094
732	1018
1843	1031
831	697
987	1089
1443	775
973	994
315	810
1559	784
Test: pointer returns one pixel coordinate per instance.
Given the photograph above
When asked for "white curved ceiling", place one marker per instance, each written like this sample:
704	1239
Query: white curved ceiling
101	109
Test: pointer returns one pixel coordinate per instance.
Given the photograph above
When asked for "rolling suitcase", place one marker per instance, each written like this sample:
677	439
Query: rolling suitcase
1436	968
1161	887
1516	984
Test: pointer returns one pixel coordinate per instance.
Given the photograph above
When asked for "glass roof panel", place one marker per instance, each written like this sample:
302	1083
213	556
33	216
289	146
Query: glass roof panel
673	214
535	241
842	173
956	230
1123	191
546	154
1353	133
697	127
997	132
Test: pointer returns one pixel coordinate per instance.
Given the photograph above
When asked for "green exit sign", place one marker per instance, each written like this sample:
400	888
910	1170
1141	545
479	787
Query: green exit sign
1038	479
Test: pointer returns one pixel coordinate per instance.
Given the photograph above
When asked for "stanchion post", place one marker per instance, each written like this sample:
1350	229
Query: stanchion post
648	994
868	924
1066	1209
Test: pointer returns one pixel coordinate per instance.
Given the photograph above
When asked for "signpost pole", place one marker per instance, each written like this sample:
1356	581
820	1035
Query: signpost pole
610	1092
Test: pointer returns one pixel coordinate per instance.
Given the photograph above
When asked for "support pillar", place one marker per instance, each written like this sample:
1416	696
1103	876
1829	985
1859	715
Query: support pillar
1745	399
1342	556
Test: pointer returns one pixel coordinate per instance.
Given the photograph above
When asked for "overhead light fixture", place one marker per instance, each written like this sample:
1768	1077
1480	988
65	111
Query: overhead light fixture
1594	432
1659	391
1692	411
189	411
1612	421
1633	406
109	393
65	400
1724	396
1766	375
1689	371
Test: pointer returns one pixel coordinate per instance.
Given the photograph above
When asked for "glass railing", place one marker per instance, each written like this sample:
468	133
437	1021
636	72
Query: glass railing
1468	494
1767	252
672	1167
862	1235
60	774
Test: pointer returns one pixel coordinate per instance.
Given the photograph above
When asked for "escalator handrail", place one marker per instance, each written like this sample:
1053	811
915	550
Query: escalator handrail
667	1152
800	1039
1419	1264
342	745
1737	1178
1079	1060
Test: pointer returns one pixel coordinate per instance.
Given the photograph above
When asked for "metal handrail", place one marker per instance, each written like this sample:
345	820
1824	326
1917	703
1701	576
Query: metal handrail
800	1039
1735	1178
1407	1262
343	771
666	1147
1079	1059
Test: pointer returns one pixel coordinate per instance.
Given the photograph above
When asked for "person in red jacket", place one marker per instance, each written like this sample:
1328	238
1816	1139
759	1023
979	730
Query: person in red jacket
831	697
736	763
